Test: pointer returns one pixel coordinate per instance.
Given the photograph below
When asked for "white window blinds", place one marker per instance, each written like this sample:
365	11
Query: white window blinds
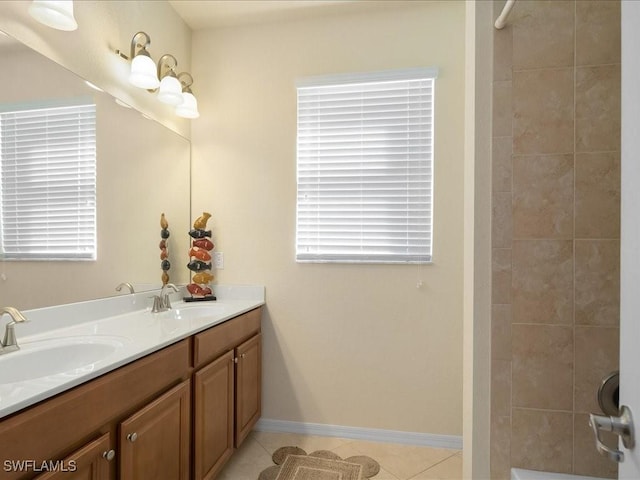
365	161
48	183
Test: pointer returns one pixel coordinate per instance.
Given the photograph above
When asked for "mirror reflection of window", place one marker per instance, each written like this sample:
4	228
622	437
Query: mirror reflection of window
48	181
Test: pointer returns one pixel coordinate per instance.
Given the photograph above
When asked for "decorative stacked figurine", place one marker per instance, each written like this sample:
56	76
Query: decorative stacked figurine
200	260
164	252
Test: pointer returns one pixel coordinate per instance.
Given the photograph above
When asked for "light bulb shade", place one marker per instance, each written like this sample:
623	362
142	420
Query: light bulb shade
143	72
54	14
189	108
170	91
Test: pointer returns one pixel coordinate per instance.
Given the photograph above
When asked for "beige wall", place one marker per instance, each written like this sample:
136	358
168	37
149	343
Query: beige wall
556	208
344	344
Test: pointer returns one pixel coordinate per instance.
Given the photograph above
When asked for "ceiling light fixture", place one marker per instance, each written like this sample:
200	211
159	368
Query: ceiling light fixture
56	14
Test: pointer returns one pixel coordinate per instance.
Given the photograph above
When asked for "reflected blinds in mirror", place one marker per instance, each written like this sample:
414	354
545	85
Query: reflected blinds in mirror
48	183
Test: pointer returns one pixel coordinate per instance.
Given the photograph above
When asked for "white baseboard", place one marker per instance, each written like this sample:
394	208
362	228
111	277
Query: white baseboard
359	433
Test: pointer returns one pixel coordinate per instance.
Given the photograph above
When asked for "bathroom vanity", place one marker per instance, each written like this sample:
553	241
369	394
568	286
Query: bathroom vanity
176	412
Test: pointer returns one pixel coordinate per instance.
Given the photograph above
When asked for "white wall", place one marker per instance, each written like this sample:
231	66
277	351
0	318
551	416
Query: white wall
344	344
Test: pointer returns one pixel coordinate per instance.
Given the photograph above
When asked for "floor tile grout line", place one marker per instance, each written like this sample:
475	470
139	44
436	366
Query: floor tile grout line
434	465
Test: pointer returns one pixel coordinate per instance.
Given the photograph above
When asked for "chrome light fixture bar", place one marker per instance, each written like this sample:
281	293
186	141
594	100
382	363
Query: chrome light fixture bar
172	89
56	14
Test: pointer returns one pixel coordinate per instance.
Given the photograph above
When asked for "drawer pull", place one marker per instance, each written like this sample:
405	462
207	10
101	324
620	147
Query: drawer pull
235	360
132	437
243	355
109	455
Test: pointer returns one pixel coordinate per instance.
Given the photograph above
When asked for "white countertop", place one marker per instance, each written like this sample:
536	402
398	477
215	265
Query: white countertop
122	326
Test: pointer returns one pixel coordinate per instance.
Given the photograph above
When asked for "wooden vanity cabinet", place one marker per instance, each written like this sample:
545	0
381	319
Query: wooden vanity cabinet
227	385
91	462
154	442
176	414
65	426
213	416
248	387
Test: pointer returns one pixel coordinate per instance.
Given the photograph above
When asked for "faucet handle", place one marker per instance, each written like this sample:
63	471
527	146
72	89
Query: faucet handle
10	340
157	304
166	301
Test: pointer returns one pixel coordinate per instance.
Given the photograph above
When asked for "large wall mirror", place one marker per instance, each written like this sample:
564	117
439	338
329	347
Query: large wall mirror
143	170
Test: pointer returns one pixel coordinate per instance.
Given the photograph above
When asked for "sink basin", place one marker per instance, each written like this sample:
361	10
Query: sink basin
72	356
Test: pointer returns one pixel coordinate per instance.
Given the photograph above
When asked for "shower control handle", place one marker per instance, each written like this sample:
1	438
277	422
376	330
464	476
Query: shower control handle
621	426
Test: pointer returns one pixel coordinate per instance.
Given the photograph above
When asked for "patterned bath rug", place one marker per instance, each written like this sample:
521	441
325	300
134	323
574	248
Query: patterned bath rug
293	463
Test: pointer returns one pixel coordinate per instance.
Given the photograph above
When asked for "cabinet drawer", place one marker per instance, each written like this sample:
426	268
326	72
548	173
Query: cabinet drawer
212	343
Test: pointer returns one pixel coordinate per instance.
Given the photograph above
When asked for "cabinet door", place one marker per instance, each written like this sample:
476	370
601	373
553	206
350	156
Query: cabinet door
213	417
154	442
91	462
248	386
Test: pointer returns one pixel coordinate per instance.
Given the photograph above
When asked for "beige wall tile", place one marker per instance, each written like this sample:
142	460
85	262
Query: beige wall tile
542	285
501	220
543	111
598	195
542	440
597	282
597	32
597	353
500	388
501	276
543	34
543	196
586	459
598	108
542	368
502	148
502	109
500	448
502	52
501	332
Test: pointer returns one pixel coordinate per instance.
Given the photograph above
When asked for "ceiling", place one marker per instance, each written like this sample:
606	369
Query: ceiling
199	14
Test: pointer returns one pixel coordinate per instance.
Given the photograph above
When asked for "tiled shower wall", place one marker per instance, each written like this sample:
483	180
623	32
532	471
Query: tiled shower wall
555	231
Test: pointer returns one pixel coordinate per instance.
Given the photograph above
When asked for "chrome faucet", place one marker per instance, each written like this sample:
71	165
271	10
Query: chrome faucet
162	303
9	343
166	303
125	284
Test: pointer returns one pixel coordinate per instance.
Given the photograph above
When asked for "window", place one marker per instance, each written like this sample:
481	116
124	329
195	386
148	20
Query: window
48	182
365	161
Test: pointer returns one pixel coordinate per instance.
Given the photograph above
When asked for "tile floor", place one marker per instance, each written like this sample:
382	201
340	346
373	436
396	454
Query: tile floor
397	462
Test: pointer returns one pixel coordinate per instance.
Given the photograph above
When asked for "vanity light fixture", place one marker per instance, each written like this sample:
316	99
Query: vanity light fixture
56	14
189	107
143	68
170	91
